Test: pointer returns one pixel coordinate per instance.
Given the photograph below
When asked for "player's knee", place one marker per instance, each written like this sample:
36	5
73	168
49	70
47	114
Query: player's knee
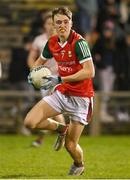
70	146
28	122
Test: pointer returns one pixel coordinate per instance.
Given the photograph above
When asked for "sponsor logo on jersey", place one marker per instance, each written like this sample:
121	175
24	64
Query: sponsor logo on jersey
65	69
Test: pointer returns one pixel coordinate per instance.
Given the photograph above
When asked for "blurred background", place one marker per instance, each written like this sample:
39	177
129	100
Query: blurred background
106	27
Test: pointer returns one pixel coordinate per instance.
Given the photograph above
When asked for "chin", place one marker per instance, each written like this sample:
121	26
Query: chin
62	35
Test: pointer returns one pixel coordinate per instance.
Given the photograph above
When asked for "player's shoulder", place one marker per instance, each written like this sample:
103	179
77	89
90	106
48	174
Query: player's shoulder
80	39
75	37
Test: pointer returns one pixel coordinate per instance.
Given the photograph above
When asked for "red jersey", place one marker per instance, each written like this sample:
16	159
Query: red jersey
69	58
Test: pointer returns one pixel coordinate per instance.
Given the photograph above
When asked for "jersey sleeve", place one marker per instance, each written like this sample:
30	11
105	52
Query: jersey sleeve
82	51
46	54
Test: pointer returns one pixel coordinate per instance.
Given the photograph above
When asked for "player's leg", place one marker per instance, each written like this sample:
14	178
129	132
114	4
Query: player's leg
40	134
51	103
40	138
39	117
71	143
81	116
60	118
59	143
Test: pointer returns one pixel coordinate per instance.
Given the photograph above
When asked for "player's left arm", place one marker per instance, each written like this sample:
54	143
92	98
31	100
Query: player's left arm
87	72
85	59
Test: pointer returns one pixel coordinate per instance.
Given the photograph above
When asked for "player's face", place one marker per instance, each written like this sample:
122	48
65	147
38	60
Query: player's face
62	25
49	27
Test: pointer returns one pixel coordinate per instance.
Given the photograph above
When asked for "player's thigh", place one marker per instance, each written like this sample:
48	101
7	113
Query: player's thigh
60	118
41	111
74	132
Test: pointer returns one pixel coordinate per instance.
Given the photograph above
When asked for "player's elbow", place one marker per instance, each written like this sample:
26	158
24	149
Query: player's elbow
92	74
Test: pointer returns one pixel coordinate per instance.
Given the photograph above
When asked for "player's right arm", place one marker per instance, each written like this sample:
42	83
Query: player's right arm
38	62
32	57
34	53
45	55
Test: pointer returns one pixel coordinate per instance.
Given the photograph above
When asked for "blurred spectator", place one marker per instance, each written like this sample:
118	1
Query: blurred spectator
109	10
18	72
122	69
122	63
86	17
104	57
124	12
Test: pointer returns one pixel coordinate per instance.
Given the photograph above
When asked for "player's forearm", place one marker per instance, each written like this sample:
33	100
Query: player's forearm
79	76
31	62
88	71
38	62
33	55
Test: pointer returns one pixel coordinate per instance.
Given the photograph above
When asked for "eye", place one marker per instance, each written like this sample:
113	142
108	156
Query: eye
66	21
58	22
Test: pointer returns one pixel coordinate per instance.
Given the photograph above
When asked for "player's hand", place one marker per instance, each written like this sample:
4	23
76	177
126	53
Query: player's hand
52	81
47	85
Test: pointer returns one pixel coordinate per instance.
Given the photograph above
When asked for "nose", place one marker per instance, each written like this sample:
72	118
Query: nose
62	24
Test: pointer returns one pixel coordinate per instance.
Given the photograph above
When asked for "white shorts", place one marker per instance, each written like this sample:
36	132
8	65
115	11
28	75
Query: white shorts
78	108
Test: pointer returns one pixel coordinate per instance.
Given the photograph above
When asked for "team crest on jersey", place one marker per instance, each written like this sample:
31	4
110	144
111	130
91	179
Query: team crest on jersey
69	54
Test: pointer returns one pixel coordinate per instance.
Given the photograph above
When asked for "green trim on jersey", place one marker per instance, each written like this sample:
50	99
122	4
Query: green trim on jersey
46	52
82	50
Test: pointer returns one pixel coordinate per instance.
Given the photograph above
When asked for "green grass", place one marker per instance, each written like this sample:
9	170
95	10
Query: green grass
105	157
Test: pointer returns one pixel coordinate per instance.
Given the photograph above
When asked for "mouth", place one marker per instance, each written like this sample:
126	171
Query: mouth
62	30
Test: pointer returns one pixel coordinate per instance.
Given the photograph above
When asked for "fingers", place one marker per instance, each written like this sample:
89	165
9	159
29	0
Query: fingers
49	78
46	85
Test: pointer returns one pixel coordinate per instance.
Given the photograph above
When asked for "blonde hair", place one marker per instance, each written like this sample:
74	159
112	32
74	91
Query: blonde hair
62	10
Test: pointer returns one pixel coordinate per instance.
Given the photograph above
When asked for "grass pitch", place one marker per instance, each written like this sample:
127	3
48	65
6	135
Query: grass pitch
105	157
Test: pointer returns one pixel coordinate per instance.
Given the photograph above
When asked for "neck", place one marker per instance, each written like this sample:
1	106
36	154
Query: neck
62	40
